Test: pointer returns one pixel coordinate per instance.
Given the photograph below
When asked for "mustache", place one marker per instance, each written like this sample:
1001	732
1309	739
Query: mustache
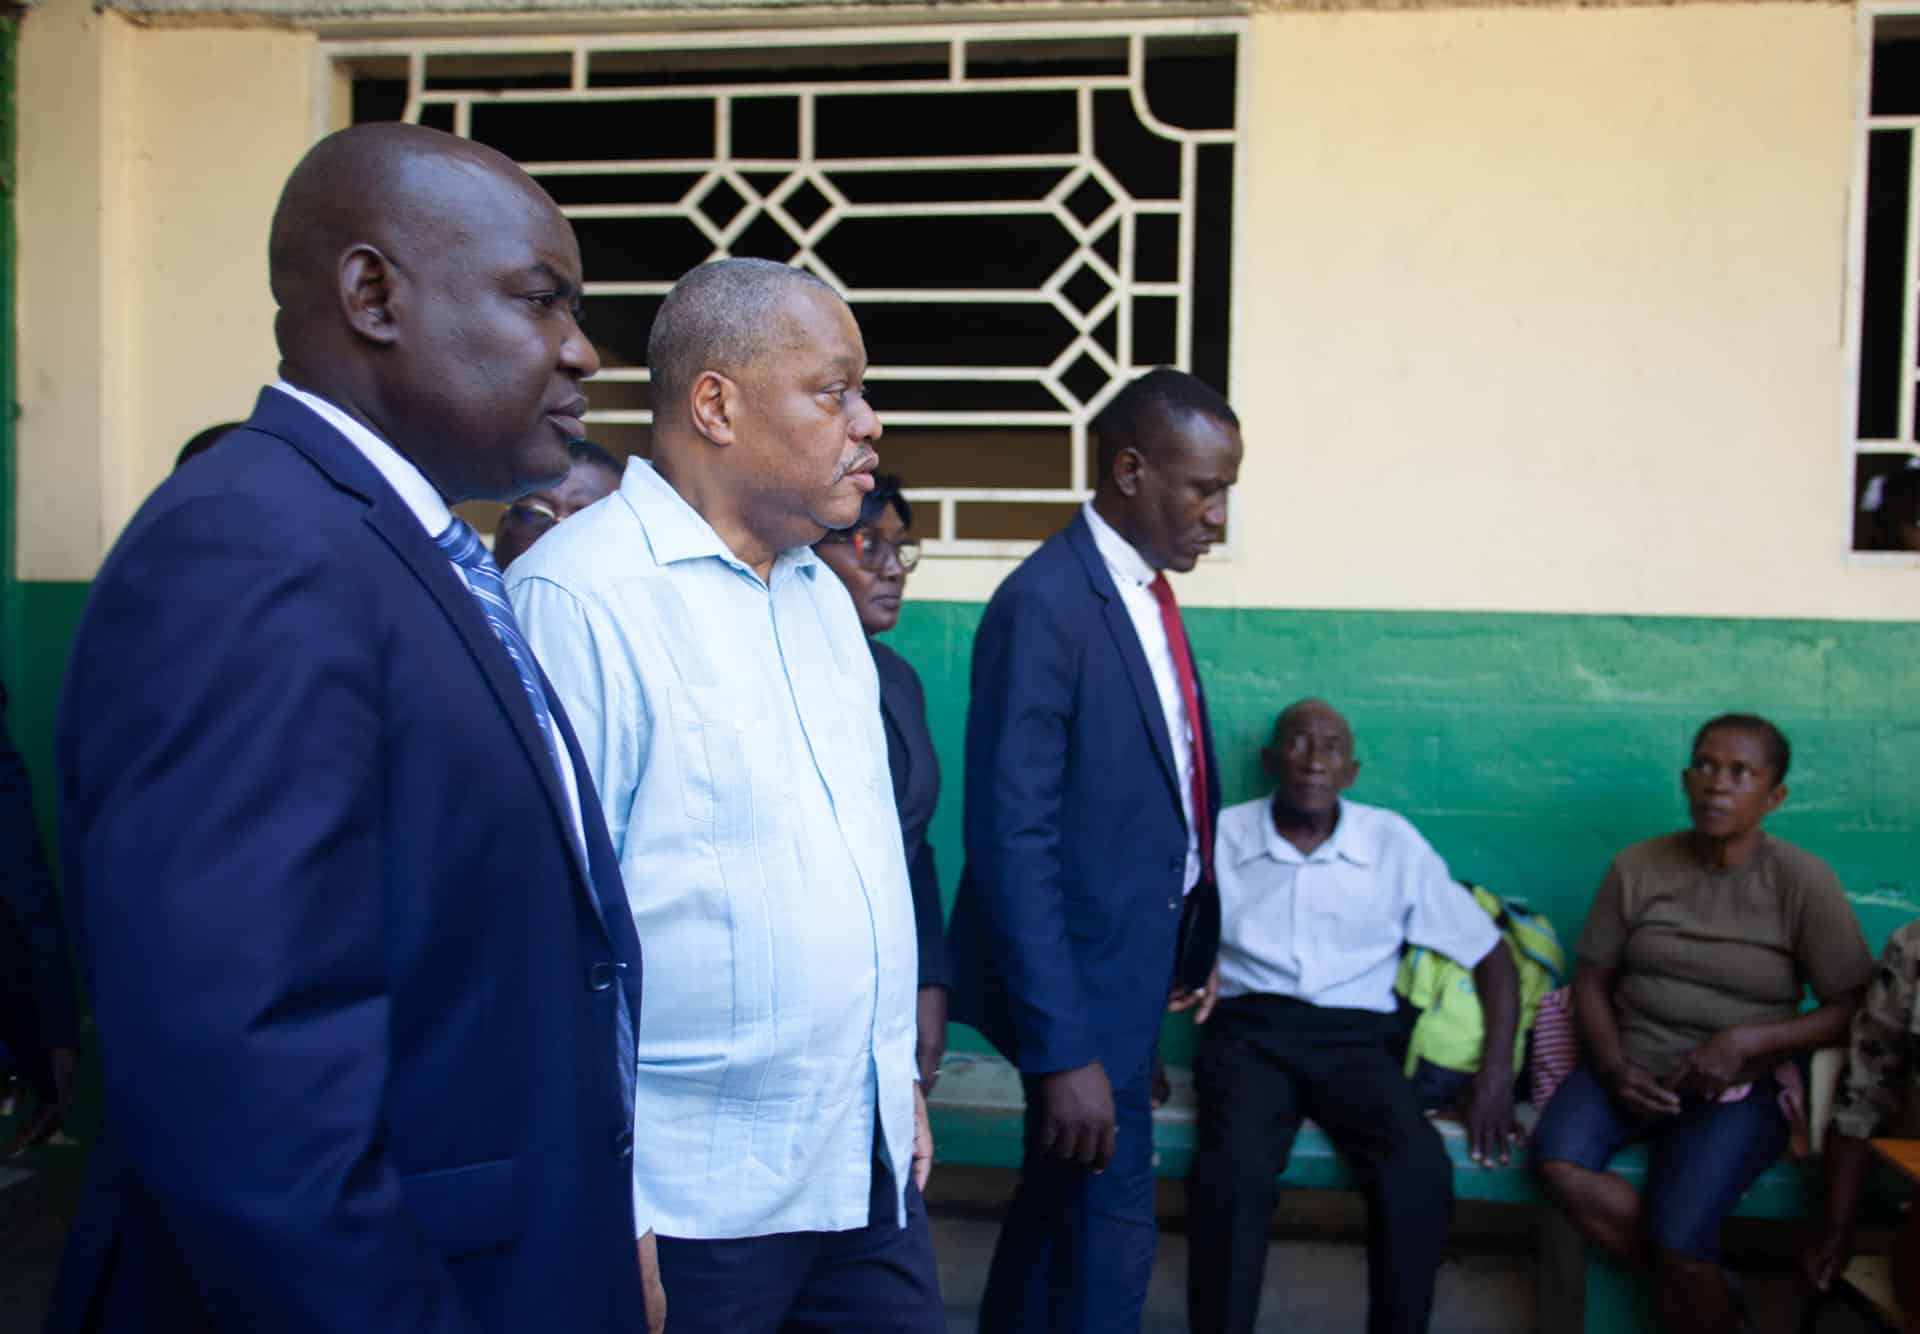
865	461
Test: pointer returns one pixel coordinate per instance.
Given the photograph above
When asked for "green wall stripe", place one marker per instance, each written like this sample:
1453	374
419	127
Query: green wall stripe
1528	748
49	613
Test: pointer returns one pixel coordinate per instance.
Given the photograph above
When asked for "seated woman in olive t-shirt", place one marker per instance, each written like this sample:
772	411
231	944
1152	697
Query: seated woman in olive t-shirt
1695	955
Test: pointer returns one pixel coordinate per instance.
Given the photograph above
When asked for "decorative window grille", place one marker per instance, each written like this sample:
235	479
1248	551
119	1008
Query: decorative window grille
1022	216
1886	483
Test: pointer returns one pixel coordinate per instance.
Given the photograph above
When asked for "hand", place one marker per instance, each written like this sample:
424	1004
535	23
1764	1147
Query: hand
1203	997
1491	1129
922	1140
650	1286
931	1048
1823	1262
1644	1097
1712	1067
1076	1116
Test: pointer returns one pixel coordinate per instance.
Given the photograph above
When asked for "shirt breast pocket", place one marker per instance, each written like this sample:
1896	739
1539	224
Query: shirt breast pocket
710	729
1361	924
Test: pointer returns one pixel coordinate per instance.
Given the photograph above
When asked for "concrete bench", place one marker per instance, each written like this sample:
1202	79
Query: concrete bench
978	1112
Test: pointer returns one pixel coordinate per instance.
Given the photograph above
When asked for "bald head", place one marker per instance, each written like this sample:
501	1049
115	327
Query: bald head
394	186
723	316
430	289
1311	761
1301	711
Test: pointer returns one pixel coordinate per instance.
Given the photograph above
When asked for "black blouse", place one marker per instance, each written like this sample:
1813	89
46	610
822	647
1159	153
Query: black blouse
916	791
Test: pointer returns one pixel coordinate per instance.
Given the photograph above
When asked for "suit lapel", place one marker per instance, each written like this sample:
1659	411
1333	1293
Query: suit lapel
396	523
1127	641
388	515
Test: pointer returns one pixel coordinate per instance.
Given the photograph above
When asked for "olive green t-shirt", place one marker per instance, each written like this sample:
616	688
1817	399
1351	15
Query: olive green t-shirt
1699	949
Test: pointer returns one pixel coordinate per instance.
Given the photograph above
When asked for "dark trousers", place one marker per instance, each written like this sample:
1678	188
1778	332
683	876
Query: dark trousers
879	1279
1265	1063
1076	1250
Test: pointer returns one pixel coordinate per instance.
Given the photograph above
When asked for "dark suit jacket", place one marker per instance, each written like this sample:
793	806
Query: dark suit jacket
916	791
353	981
1065	923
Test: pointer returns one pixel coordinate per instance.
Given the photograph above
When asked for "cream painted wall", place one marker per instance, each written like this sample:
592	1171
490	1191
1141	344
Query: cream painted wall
1543	310
1540	309
71	378
150	160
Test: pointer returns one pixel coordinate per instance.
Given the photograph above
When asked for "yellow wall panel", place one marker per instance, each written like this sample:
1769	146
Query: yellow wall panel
1537	309
150	160
1543	310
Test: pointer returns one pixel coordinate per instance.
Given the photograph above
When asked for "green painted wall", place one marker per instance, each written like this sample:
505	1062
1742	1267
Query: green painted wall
48	614
1528	748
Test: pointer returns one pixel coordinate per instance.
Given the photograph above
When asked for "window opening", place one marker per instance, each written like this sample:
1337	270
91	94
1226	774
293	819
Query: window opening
1023	217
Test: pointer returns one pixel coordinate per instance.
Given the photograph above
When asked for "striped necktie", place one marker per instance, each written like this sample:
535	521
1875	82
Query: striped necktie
464	548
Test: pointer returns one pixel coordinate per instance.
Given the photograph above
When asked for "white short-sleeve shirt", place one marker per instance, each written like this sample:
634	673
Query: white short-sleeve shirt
1327	927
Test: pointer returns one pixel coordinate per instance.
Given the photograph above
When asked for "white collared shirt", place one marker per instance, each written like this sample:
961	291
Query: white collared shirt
1134	578
427	505
1326	927
732	729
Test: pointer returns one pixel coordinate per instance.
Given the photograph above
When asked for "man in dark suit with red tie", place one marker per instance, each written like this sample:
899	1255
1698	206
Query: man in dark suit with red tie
1087	905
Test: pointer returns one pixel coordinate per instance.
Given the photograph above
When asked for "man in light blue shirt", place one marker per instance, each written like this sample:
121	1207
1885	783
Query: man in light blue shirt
1317	896
729	712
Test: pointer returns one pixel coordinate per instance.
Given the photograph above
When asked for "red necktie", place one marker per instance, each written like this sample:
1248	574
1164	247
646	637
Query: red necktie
1190	696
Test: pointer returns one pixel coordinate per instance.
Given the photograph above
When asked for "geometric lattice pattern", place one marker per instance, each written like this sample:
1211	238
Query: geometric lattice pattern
1022	215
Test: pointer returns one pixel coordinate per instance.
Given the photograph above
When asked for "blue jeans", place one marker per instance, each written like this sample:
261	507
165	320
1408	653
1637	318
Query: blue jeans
1700	1160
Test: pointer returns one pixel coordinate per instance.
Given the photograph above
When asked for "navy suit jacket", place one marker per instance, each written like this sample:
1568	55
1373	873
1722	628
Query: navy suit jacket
1063	932
353	980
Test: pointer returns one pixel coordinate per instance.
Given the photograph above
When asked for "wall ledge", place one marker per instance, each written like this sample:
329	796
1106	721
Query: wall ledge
571	15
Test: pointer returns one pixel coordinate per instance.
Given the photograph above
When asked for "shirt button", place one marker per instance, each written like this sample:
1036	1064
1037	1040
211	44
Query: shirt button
1177	863
1173	905
600	976
623	1144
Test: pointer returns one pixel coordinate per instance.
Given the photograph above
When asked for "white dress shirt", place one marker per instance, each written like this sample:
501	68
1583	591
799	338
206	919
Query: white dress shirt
1327	927
428	507
732	730
1134	578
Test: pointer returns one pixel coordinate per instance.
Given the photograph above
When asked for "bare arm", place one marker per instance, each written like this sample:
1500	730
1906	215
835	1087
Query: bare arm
1490	1126
1734	1055
1637	1090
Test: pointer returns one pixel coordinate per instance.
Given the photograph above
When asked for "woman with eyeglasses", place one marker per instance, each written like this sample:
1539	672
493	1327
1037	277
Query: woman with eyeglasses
1696	952
873	559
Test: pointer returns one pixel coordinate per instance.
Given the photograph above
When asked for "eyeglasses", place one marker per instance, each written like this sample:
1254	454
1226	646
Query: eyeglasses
870	549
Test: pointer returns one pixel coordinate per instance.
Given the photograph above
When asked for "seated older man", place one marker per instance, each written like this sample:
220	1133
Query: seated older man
1317	896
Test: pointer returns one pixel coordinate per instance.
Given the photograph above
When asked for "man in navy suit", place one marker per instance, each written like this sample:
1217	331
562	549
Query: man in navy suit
1090	804
357	945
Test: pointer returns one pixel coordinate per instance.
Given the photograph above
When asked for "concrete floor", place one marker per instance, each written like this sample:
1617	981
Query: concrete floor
1316	1271
1311	1285
1316	1278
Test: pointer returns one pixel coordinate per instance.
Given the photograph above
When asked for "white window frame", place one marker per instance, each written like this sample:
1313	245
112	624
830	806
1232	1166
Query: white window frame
1907	438
334	54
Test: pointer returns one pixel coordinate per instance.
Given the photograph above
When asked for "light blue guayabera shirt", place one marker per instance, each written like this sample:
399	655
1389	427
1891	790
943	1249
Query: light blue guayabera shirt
733	732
